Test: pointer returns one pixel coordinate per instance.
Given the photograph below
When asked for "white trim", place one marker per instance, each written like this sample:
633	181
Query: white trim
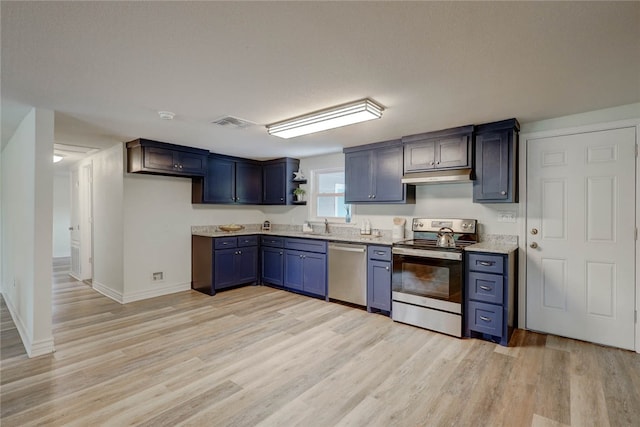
107	292
33	348
157	291
313	195
126	298
522	271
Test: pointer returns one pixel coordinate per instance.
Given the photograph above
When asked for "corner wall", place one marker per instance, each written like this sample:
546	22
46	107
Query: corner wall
27	200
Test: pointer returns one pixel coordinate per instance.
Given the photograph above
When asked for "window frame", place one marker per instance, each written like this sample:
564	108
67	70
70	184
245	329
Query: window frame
312	201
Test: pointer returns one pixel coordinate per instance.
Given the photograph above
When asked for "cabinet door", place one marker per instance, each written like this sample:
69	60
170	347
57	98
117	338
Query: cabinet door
246	264
272	266
387	174
224	271
293	270
248	183
190	163
274	184
219	182
357	177
160	159
379	285
315	273
494	182
452	152
419	156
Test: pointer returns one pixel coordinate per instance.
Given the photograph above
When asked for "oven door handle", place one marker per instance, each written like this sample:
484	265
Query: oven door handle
427	253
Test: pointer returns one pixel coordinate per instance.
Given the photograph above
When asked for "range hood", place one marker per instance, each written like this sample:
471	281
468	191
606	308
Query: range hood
439	177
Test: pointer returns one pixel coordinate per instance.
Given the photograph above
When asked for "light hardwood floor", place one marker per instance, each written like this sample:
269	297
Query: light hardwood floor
260	356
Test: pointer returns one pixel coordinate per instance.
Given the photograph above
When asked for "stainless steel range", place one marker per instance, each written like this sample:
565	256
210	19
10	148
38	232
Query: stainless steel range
428	274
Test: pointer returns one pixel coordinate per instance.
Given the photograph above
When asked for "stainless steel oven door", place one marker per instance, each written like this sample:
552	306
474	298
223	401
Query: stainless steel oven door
426	277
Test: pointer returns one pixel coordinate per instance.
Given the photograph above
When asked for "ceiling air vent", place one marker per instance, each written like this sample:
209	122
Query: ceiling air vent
232	122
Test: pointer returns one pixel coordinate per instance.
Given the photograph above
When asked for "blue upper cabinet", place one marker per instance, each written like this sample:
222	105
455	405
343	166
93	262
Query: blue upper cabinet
159	158
277	181
496	162
445	149
229	180
373	174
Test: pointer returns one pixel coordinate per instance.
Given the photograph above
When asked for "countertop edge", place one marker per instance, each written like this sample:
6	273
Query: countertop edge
496	248
369	240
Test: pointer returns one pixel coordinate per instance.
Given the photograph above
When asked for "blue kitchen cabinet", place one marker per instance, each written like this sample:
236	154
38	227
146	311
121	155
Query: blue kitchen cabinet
305	266
379	278
490	296
277	179
373	174
159	158
294	270
272	251
496	162
223	262
445	149
229	180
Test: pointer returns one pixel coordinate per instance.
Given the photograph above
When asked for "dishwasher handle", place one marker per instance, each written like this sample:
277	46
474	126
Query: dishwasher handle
347	248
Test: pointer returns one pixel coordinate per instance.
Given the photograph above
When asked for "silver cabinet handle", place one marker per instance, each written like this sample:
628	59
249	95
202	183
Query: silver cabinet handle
386	268
280	253
485	288
486	263
281	199
373	197
239	252
180	166
486	319
504	193
379	252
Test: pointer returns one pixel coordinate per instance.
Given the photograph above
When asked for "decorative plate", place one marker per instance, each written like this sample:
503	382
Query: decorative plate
231	227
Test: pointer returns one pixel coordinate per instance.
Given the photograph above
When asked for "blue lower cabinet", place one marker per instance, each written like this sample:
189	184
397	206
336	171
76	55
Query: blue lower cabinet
293	270
223	262
224	273
379	278
490	296
272	266
314	278
305	266
246	264
379	285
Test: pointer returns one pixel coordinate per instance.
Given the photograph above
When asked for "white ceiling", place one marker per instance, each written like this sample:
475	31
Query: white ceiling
106	68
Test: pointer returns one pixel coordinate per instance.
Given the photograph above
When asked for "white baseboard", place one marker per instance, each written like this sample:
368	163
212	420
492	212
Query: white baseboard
107	292
33	348
124	298
157	291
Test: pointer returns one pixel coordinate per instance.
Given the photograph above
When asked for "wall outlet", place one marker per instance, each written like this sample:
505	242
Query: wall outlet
506	216
158	276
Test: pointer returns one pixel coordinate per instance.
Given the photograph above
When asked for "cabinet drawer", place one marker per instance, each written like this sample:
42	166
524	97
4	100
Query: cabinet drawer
486	287
485	318
273	241
247	241
307	245
382	253
486	263
225	242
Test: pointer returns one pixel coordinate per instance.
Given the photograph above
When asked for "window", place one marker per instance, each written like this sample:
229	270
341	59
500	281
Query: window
327	198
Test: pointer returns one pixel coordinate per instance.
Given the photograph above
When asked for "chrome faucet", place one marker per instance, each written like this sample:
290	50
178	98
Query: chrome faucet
326	226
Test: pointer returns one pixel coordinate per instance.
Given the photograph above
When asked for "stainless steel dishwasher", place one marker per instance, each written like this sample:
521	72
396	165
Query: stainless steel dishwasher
348	272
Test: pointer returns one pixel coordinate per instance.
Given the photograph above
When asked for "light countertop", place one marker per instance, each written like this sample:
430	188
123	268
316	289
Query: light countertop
493	247
365	239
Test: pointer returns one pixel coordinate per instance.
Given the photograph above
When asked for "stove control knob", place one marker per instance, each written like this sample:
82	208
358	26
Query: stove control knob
465	225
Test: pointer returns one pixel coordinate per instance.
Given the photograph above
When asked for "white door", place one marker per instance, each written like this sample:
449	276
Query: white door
581	236
74	228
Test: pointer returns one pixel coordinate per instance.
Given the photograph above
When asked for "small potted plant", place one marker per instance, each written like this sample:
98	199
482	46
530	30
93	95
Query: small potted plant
299	194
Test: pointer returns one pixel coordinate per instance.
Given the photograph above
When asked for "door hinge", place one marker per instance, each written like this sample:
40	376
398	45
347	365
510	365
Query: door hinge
636	233
635	316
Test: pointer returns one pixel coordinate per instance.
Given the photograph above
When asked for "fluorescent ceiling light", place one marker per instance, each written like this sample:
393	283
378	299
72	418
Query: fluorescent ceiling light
57	158
334	117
